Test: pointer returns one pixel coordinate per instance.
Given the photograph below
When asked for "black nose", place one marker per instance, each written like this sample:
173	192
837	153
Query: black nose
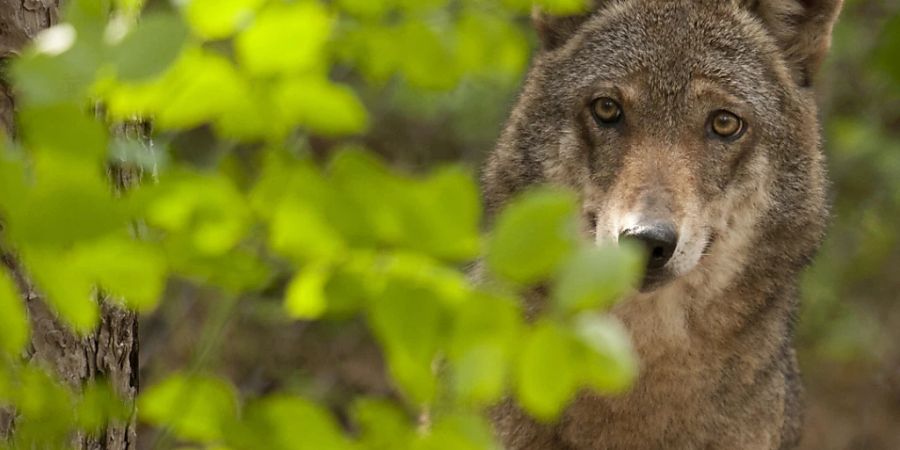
659	239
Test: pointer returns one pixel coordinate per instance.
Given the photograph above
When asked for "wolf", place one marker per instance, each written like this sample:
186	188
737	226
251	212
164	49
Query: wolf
690	126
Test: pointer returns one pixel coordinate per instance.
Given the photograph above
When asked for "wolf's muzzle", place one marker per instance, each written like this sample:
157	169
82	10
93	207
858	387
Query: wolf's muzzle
659	240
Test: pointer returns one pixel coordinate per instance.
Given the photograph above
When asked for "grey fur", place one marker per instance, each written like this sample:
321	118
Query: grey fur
718	365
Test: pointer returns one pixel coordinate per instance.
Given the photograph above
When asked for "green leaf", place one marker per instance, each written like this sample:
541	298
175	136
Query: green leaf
208	209
548	372
70	201
446	215
595	277
365	8
458	432
322	106
533	236
69	292
427	61
74	135
285	39
235	272
281	422
491	43
195	407
885	54
14	327
444	284
557	7
410	325
305	298
485	332
610	361
45	79
39	398
129	270
383	426
150	48
98	406
217	19
297	230
376	195
199	87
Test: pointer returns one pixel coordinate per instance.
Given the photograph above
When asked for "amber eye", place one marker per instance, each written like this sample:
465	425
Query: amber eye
726	124
606	111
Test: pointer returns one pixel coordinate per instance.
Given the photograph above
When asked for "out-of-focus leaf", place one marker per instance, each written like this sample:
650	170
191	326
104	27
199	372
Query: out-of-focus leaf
428	61
458	432
610	361
410	325
14	326
443	283
12	182
67	203
322	106
358	42
556	7
595	277
199	87
533	236
64	129
69	292
306	293
198	408
235	272
39	399
490	43
299	231
886	53
485	331
285	39
151	47
127	269
216	19
447	216
98	406
383	426
365	8
548	372
43	79
376	195
207	208
280	422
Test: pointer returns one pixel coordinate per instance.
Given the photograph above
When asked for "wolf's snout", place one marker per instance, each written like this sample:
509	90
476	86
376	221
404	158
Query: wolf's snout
659	239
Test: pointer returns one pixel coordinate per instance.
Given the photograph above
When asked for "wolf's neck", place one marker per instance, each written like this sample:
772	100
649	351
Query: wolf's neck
748	315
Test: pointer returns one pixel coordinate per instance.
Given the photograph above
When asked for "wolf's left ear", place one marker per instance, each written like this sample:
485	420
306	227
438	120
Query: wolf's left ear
554	31
802	29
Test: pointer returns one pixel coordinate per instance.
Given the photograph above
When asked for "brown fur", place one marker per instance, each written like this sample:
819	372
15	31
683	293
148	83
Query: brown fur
718	366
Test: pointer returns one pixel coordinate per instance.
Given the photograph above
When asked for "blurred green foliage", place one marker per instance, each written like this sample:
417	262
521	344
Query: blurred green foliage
356	238
850	292
258	201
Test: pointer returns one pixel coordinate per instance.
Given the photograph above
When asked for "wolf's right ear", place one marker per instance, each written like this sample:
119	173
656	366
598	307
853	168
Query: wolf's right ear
555	31
802	29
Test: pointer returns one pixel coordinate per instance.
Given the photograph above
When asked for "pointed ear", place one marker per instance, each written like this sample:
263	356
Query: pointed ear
802	29
555	30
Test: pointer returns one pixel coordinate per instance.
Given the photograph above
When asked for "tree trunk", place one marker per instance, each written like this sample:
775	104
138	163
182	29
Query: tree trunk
110	352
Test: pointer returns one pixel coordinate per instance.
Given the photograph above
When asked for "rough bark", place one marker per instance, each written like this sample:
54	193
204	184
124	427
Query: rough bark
110	352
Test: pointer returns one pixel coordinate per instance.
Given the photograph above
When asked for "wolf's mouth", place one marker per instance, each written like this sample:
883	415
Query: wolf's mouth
654	279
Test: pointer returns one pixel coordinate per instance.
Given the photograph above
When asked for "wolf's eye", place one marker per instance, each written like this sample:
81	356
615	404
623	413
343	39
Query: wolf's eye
726	124
606	111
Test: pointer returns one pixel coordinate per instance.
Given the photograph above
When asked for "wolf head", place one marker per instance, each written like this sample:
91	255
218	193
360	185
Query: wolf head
688	125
